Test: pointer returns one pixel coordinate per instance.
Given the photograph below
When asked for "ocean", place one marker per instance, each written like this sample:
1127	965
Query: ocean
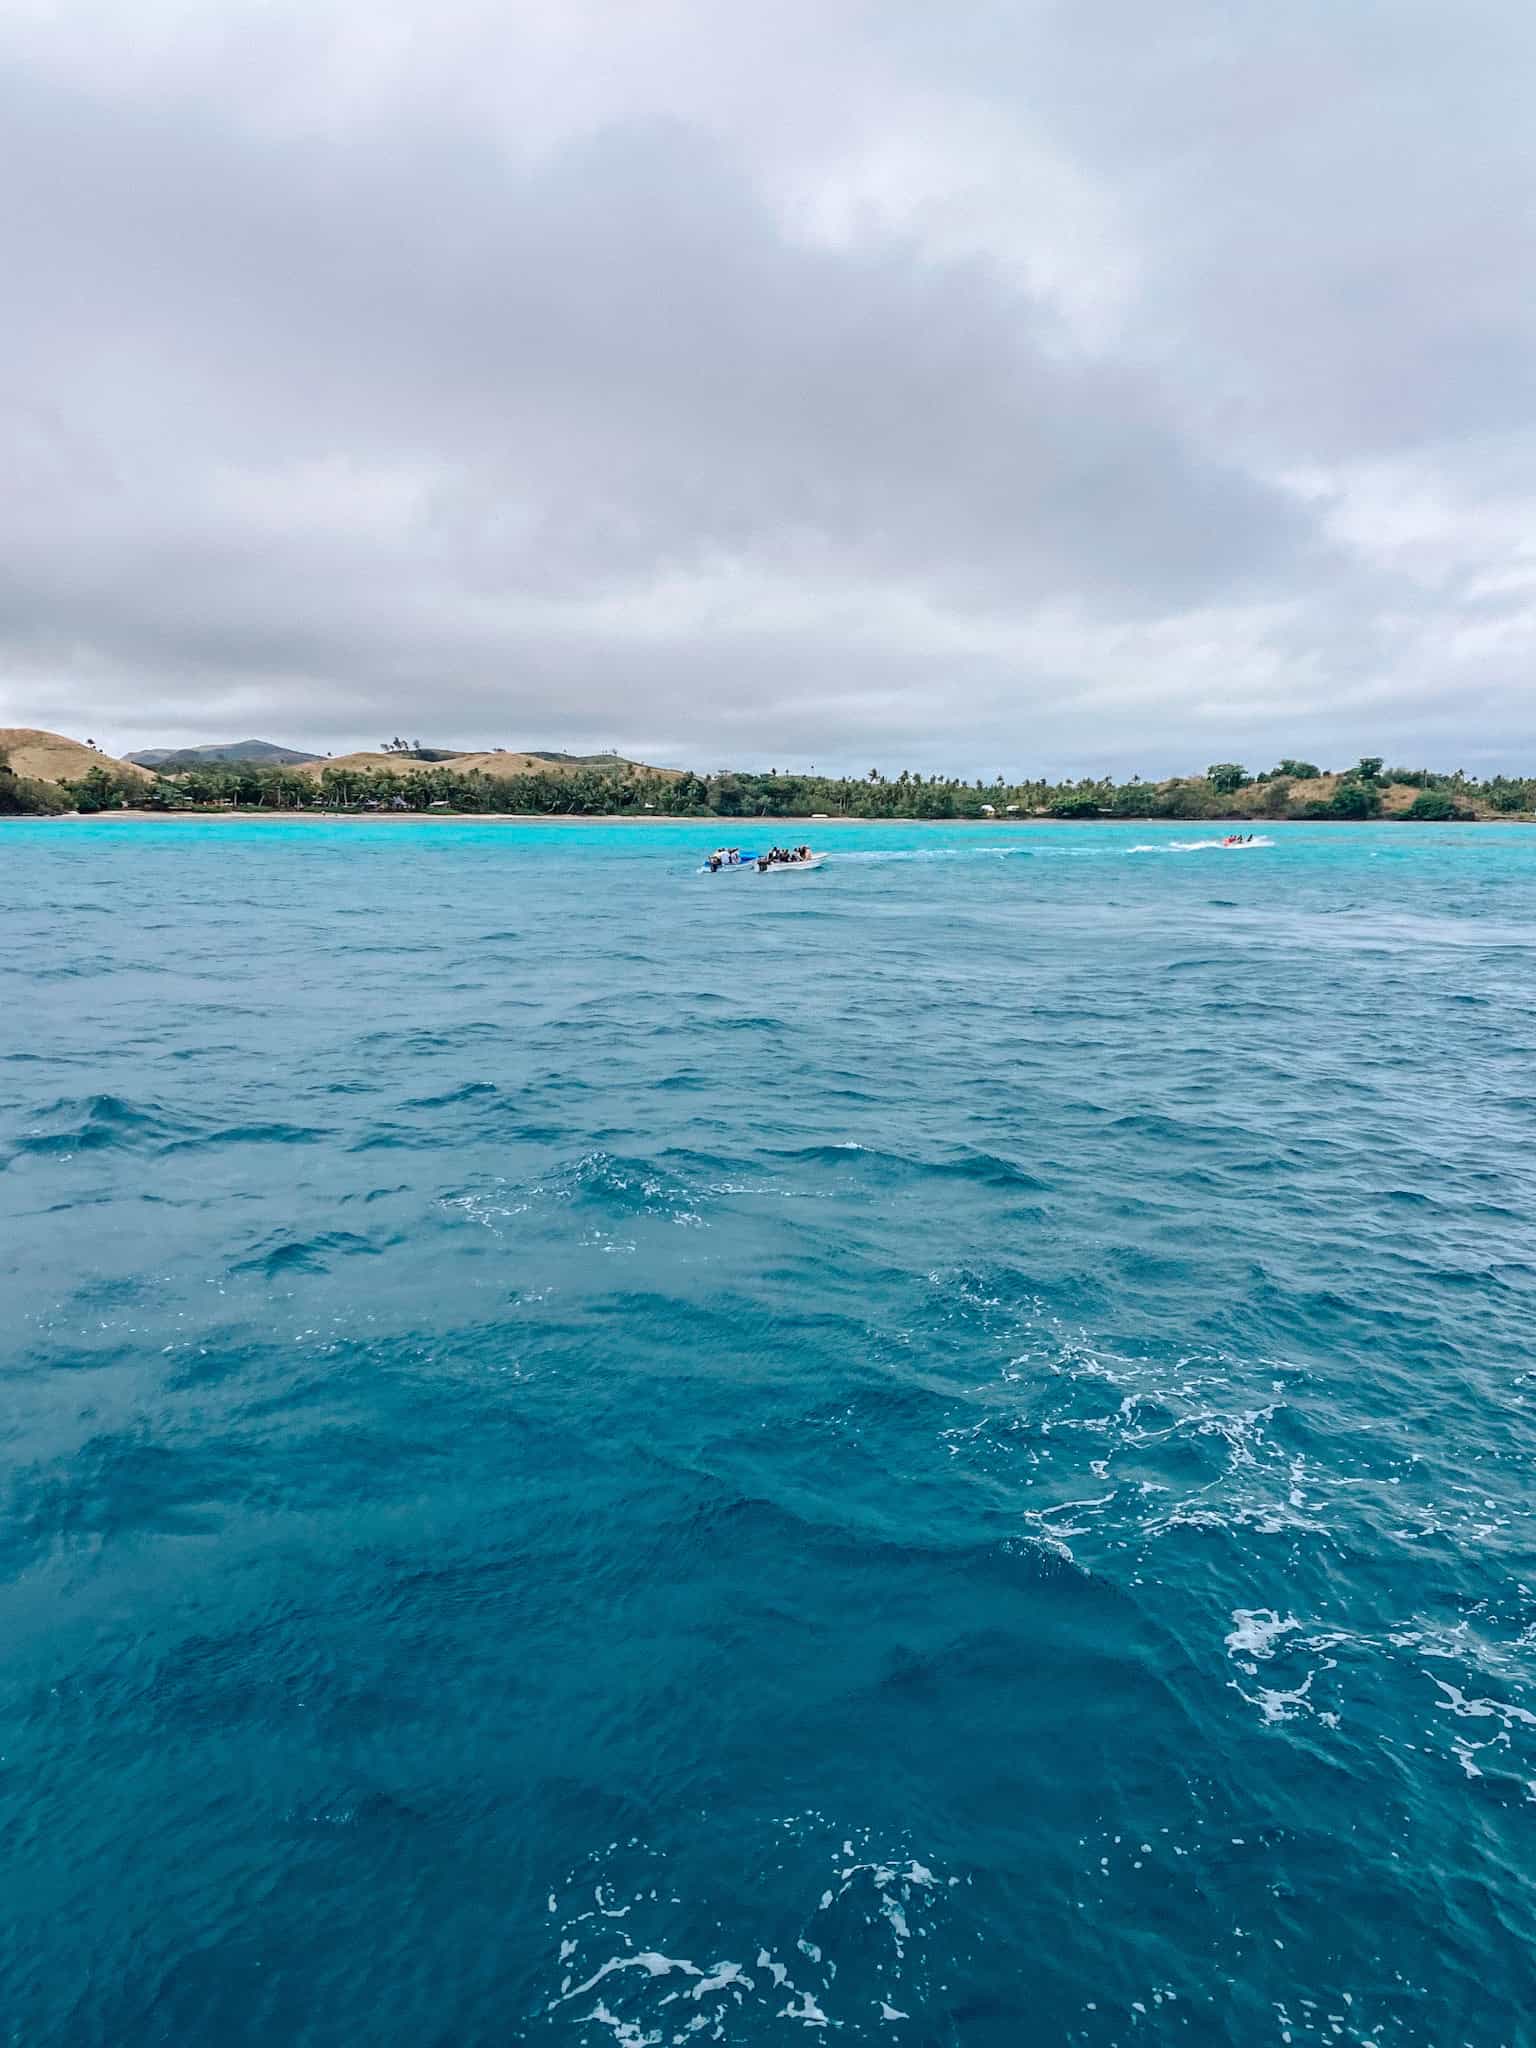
937	1452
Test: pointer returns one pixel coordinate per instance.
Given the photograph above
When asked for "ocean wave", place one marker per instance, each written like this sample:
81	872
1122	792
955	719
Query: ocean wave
477	1093
101	1123
282	1255
598	1181
254	1133
736	1021
848	1156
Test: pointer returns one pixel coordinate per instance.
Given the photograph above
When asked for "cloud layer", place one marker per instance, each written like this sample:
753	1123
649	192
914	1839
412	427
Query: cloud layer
983	389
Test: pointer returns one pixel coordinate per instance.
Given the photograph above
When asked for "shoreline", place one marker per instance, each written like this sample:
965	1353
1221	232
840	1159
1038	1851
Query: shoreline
269	817
254	815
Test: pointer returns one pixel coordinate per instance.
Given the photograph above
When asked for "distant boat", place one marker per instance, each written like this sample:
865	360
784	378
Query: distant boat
797	864
736	860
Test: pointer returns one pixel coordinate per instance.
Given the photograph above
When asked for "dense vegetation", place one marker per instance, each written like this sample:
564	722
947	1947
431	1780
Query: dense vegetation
1226	791
21	796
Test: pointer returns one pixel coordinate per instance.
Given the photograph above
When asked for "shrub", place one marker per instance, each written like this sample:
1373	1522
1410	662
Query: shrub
22	797
1274	800
1354	800
1187	800
1135	800
1506	795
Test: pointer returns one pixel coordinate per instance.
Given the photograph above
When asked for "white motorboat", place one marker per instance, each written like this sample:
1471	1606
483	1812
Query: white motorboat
800	864
730	860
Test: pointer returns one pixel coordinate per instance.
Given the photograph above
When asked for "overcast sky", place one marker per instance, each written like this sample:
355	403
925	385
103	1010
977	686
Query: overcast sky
976	387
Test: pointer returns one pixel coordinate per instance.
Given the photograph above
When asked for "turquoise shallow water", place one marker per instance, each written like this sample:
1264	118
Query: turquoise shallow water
939	1452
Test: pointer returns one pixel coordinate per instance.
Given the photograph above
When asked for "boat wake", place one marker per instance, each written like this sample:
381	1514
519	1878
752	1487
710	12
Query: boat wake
1206	845
886	856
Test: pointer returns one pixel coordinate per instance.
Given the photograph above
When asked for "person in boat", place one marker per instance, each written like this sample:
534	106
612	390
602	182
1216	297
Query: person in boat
713	863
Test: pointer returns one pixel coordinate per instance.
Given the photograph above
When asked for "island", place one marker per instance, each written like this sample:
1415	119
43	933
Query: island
44	774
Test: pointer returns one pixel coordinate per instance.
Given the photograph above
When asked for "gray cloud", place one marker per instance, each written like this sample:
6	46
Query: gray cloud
1055	392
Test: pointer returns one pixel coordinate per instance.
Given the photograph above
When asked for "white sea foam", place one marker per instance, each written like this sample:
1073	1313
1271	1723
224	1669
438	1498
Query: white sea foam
1277	1705
648	1995
871	856
1456	1702
1253	1639
807	2010
1465	1752
623	2031
1202	845
1255	1632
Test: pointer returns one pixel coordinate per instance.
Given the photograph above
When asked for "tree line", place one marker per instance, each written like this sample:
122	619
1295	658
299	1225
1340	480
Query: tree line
1227	790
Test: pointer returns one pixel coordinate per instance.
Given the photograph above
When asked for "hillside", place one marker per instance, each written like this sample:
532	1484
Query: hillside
265	753
486	764
1395	796
50	757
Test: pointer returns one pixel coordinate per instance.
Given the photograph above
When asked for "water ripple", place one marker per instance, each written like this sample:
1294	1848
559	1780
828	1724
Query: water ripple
945	1456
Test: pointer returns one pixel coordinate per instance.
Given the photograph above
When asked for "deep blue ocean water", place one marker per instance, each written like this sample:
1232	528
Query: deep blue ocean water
940	1452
